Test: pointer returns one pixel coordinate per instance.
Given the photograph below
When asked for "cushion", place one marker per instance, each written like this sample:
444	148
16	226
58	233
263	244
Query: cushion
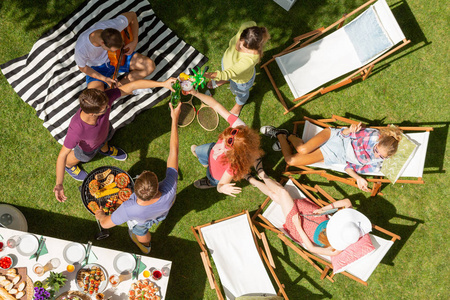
352	253
394	166
259	298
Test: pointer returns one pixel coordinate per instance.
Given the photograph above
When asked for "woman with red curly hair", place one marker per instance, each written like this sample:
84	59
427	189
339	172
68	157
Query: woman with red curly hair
237	149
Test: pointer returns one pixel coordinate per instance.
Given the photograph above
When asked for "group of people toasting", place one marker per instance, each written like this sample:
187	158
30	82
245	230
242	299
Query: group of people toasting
228	160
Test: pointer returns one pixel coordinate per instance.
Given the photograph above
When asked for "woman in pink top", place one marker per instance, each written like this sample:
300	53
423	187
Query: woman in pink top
231	158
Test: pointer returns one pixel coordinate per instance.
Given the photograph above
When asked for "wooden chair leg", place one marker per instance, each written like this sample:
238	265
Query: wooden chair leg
325	272
375	189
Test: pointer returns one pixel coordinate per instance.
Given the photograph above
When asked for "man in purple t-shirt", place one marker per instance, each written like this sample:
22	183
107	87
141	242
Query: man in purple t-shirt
151	201
90	130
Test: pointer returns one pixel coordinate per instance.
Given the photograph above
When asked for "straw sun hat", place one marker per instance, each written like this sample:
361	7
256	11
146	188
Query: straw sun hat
346	227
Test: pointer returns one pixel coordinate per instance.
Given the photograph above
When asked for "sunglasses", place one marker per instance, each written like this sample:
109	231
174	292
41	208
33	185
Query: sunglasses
230	140
375	150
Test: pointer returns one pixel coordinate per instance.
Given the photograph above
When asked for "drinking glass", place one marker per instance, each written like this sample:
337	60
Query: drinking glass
114	280
50	265
13	241
156	274
165	271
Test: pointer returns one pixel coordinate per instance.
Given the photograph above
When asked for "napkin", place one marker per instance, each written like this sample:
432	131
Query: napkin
44	250
92	257
142	267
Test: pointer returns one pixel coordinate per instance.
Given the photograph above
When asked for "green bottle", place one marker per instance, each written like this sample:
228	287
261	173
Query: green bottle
176	96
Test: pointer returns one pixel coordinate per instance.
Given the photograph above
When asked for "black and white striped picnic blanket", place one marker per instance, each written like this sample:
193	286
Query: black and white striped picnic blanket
49	80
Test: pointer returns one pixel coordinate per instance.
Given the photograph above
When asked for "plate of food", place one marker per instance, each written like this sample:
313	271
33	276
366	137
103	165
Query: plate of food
73	295
144	289
124	263
92	279
28	245
74	253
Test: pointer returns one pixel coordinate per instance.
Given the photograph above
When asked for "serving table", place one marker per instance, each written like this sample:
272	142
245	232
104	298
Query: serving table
99	255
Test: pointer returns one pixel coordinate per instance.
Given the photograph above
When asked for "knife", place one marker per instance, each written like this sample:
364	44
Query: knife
41	245
88	250
136	270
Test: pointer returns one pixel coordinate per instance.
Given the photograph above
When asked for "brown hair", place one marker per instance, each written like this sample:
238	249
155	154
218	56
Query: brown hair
389	139
112	38
146	186
255	38
92	101
245	150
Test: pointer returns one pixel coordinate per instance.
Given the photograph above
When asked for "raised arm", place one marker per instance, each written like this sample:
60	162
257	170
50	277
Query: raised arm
172	160
134	23
208	100
145	84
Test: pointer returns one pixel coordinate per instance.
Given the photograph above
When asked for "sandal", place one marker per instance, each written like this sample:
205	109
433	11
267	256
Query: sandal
203	184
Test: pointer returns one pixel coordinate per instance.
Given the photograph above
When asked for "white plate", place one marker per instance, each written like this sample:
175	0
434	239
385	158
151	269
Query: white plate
74	253
28	245
124	262
103	283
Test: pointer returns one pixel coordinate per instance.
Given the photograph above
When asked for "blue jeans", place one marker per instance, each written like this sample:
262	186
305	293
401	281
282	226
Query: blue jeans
107	70
142	230
202	152
241	90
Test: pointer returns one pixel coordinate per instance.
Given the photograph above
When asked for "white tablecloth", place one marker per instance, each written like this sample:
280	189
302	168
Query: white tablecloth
105	258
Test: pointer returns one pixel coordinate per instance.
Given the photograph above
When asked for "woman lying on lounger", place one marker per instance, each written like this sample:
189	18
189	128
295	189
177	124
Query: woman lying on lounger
305	224
361	149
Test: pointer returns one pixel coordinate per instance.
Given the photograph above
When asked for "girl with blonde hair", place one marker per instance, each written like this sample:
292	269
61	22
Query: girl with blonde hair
363	150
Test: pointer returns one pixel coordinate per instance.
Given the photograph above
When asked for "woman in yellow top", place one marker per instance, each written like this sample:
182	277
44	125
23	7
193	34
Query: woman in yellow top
238	63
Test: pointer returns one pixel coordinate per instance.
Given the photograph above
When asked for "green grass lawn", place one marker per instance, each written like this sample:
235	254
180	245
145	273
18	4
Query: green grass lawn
410	87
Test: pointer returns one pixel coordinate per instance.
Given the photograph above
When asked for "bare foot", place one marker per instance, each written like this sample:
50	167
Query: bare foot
236	110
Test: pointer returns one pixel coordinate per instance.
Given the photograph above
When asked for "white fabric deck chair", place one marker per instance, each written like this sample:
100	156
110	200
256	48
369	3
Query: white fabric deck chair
366	40
237	257
360	270
413	167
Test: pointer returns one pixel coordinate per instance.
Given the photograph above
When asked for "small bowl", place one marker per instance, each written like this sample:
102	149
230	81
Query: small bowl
5	257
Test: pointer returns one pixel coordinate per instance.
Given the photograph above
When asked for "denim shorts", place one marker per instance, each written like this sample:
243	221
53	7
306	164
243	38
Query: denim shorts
142	230
241	90
87	156
333	150
202	152
107	70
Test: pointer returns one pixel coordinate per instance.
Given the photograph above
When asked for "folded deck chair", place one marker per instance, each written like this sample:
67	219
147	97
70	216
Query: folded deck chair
360	269
238	258
49	80
359	45
411	166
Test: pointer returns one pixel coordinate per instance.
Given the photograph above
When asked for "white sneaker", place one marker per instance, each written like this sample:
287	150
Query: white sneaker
142	91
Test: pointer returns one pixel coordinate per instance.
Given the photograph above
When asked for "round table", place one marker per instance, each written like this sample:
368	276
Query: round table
12	218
